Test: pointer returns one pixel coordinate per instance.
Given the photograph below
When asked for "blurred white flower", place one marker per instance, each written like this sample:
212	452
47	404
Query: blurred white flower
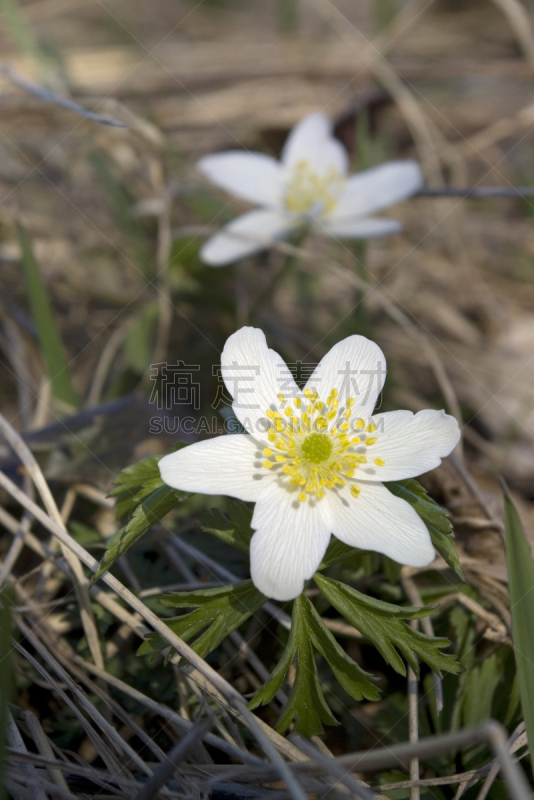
313	460
308	186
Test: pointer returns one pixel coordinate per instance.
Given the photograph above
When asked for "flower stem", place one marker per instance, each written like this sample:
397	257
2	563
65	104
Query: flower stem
287	267
362	148
287	16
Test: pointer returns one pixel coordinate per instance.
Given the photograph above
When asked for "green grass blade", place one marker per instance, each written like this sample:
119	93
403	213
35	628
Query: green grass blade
521	577
21	33
51	346
5	681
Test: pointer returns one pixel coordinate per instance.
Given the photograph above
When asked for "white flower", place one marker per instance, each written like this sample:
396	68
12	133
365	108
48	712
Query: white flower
313	460
309	185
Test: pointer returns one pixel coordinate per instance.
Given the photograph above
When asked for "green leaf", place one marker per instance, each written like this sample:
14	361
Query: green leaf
266	692
480	685
306	702
129	500
150	511
136	475
16	25
45	321
235	531
435	518
383	624
338	551
135	483
351	677
521	583
220	611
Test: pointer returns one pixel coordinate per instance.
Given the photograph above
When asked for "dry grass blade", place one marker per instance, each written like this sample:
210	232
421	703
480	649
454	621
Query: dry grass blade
169	715
50	97
16	742
210	678
400	755
330	766
79	581
43	746
518	17
178	753
105	752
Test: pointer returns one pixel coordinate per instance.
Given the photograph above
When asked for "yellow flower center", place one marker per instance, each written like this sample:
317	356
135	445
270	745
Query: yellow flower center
314	446
310	192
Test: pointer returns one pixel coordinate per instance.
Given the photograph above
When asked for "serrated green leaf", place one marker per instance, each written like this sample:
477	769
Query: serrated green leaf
235	531
45	322
444	544
337	551
154	508
128	501
429	511
435	518
352	678
306	702
220	611
136	475
521	584
266	692
137	482
383	624
241	516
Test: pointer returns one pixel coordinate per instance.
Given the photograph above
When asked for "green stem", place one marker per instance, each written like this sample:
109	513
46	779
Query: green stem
362	148
287	16
287	267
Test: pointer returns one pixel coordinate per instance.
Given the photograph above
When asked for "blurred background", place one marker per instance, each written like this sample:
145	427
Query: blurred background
116	215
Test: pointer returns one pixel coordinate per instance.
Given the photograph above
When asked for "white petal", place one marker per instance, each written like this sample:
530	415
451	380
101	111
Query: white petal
289	543
311	140
359	228
250	176
379	187
410	444
229	465
356	367
254	375
379	521
245	235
